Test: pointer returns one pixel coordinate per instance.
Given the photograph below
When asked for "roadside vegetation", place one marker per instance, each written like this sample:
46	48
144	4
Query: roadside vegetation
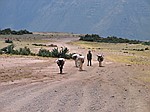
63	53
43	45
8	31
119	52
122	50
125	50
56	53
110	39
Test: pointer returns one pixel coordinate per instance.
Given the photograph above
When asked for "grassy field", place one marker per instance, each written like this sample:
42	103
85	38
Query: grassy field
120	52
144	75
130	55
26	40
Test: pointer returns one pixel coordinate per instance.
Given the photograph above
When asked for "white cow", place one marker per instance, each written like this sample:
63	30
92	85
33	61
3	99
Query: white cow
80	60
74	57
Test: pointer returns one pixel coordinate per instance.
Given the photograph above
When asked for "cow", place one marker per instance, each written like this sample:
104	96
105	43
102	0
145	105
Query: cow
60	62
80	60
100	58
74	57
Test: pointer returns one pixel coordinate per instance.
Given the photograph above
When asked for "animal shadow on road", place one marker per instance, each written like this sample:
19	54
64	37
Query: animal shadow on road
82	70
102	66
61	73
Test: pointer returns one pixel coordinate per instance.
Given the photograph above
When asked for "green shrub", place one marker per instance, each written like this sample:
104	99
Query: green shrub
24	51
8	31
16	52
1	52
44	53
33	54
109	39
63	53
68	56
141	49
146	43
39	44
8	41
9	49
146	48
55	52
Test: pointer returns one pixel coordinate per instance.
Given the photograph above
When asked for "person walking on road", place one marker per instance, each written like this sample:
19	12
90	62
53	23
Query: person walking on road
89	58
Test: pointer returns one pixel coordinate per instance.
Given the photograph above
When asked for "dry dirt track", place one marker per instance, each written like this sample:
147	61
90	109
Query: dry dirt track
96	89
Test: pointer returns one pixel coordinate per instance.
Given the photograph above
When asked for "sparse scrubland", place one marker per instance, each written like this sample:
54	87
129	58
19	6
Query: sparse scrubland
45	45
111	39
8	31
122	52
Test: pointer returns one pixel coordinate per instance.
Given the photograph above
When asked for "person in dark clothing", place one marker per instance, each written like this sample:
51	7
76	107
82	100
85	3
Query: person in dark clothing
89	58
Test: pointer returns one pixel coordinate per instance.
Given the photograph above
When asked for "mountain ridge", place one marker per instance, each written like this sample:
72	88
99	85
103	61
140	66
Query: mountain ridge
121	18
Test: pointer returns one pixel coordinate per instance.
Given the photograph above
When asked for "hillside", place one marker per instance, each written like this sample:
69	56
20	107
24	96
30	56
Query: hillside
121	18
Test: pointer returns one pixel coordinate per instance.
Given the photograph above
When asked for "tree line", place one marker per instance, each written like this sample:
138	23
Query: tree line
8	31
110	39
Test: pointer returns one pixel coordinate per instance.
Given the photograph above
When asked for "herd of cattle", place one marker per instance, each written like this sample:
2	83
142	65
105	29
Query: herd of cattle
79	60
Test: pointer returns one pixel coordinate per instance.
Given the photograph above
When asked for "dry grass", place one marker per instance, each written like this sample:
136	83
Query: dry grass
117	54
6	78
144	79
25	40
101	46
145	76
129	59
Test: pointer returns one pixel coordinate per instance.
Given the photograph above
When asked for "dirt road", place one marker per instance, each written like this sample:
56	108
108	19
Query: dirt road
111	88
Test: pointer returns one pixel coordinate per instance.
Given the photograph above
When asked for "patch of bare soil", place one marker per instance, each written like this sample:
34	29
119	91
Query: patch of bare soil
40	88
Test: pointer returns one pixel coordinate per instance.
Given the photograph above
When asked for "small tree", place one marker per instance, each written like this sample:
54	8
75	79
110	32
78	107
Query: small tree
63	52
24	51
44	53
10	48
55	52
